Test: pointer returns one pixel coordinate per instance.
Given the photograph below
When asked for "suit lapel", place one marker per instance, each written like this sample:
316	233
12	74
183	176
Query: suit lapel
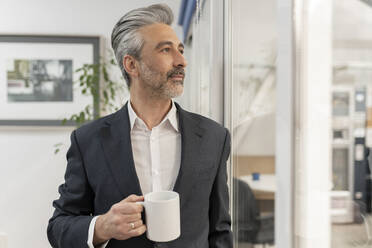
118	152
191	136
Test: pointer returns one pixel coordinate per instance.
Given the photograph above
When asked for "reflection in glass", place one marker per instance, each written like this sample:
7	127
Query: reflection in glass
340	104
351	104
253	122
340	160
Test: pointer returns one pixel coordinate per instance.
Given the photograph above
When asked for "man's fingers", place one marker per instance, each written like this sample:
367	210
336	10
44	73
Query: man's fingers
127	208
138	223
134	198
132	217
134	225
138	231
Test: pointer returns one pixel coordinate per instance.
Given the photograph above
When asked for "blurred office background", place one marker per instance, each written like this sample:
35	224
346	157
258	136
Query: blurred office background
291	79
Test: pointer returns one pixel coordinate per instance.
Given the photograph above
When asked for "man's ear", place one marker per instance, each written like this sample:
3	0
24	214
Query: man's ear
130	65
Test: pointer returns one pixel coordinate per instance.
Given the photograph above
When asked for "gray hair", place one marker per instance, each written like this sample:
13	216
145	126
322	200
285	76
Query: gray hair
125	38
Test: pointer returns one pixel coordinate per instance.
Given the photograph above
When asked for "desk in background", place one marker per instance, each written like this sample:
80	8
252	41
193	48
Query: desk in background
263	189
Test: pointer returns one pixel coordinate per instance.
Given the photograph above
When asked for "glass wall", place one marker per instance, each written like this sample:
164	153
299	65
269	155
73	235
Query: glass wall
319	195
351	124
204	53
253	26
332	115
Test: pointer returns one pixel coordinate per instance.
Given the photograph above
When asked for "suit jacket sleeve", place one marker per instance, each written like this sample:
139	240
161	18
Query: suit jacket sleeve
68	227
219	218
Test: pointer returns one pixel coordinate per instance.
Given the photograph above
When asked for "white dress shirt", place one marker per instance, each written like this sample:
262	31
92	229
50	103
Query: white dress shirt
156	155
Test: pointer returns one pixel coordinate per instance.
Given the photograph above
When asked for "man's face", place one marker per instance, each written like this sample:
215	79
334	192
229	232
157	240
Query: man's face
162	64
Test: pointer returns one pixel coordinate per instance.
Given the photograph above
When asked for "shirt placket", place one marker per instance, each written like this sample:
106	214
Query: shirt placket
155	150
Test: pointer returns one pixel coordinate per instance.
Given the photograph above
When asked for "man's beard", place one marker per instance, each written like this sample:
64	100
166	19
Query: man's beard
160	84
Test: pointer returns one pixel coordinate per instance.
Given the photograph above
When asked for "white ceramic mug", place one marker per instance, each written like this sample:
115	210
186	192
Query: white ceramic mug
162	211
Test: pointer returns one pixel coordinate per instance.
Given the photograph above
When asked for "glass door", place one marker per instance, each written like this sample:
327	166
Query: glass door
252	114
351	219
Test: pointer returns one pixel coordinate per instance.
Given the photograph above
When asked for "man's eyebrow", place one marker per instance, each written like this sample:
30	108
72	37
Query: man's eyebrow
163	43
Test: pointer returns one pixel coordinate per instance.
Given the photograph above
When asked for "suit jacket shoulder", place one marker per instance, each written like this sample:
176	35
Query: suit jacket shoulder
90	131
205	123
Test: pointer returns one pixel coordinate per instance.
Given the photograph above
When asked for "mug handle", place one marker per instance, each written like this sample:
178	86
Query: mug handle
141	203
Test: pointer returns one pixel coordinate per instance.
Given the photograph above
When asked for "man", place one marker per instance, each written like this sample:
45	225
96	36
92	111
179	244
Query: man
151	144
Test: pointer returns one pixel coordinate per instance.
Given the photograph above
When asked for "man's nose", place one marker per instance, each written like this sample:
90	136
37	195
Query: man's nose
180	60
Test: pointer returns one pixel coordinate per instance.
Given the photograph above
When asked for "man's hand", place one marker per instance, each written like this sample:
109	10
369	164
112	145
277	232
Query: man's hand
121	222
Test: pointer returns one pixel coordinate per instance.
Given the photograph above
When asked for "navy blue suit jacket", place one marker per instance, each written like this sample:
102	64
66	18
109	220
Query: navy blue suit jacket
100	172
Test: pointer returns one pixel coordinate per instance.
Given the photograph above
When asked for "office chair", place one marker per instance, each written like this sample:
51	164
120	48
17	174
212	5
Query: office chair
249	226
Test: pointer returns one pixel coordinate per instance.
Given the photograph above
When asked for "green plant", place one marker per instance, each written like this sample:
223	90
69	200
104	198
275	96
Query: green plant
103	98
95	80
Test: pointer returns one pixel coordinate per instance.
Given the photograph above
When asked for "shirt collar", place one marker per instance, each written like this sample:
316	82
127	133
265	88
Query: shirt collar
171	116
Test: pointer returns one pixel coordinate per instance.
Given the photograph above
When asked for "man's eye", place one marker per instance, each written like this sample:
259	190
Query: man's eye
181	51
167	49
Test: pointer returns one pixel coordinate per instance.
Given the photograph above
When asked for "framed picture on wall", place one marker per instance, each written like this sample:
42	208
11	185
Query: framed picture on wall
37	75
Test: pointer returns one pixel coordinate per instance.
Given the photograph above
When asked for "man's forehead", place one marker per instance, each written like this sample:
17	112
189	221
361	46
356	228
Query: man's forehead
160	33
169	43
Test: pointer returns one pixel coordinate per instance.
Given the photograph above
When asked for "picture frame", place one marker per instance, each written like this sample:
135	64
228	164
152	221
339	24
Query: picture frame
37	75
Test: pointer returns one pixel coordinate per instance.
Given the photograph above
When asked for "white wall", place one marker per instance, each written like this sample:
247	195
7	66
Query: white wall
352	20
29	171
29	177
